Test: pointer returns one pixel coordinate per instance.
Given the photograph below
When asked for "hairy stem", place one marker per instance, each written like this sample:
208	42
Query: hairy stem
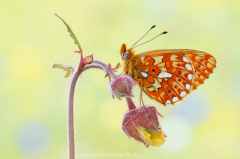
95	64
130	103
71	110
105	67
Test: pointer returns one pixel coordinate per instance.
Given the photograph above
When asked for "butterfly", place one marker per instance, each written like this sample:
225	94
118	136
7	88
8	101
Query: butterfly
167	76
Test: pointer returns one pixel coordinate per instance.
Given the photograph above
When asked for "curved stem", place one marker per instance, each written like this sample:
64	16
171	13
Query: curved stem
105	66
81	68
93	66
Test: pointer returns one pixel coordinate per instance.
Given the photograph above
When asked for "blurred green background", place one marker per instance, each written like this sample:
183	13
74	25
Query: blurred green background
33	97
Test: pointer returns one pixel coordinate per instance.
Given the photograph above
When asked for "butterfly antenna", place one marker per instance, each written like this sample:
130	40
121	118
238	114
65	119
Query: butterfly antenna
144	35
165	32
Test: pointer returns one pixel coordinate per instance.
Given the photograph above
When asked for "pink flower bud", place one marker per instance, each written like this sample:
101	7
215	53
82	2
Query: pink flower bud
121	86
142	124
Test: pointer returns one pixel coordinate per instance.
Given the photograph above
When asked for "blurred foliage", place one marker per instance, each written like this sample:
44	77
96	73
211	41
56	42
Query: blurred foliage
34	97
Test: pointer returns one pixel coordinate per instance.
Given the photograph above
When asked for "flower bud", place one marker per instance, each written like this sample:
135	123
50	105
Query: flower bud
142	124
121	86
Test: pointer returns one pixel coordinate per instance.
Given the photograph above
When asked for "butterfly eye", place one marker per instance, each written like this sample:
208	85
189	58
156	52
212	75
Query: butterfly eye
126	54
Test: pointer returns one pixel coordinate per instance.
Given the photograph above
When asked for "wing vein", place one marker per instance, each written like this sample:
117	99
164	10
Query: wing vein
153	87
174	91
202	64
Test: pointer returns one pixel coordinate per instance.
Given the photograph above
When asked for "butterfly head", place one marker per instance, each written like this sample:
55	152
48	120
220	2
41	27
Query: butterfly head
126	53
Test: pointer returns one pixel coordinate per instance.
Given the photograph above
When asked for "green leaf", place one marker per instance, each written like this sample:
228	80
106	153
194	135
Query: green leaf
68	73
71	33
67	68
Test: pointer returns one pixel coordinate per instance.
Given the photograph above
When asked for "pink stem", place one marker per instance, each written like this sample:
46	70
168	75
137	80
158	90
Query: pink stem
71	110
130	103
100	65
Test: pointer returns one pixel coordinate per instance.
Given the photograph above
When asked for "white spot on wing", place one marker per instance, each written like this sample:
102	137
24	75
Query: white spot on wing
187	86
168	102
144	74
189	76
183	93
175	99
164	75
188	66
185	59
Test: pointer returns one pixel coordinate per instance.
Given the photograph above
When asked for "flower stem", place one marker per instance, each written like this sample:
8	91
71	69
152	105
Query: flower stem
95	64
71	110
130	103
105	67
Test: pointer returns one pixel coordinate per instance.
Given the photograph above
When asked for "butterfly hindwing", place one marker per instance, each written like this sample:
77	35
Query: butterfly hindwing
203	64
166	78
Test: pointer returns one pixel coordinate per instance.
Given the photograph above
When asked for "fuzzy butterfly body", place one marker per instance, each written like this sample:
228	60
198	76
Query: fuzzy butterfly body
168	76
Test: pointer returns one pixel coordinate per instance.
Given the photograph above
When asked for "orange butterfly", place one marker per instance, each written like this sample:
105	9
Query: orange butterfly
167	76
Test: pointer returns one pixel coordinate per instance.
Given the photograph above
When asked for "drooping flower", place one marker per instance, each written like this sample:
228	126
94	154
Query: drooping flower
121	86
141	123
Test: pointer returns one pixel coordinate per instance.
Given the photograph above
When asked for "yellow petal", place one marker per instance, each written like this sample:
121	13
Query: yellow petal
151	137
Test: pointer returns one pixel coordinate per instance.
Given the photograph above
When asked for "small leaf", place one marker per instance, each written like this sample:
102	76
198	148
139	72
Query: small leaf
107	74
68	73
71	33
88	59
117	66
57	65
77	51
67	68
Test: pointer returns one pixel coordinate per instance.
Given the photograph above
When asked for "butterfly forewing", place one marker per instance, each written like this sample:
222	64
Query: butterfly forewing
168	76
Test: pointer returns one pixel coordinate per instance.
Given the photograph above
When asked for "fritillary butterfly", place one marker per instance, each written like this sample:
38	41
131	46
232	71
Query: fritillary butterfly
167	76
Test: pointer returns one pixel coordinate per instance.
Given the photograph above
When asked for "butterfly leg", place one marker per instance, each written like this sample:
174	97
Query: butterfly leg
141	85
124	66
141	98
